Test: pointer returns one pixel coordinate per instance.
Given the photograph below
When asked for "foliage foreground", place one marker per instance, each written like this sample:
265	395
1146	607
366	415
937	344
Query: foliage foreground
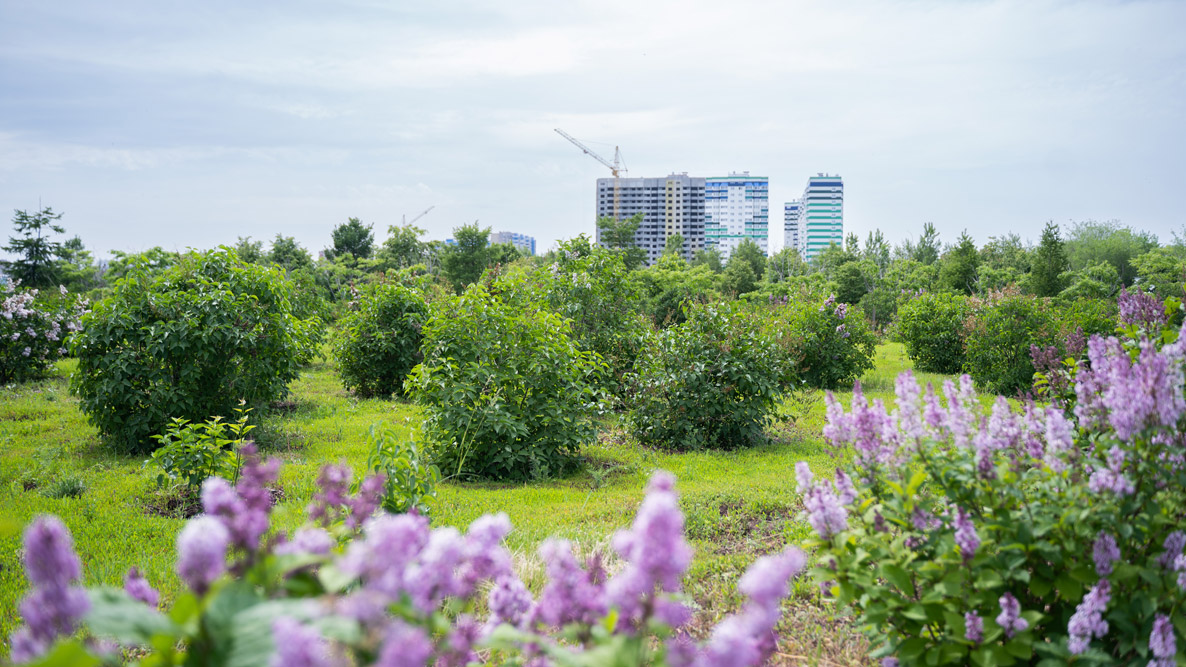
359	588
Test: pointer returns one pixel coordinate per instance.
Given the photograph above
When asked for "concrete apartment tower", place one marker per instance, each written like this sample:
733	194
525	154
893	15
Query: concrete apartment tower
671	205
791	212
524	243
821	219
736	207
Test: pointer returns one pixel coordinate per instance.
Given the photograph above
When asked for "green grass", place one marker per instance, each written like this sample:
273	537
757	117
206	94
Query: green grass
738	504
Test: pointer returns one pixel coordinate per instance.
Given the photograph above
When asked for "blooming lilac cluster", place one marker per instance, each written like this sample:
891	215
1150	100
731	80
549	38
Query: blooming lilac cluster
973	627
244	509
1111	478
1162	643
1104	552
1088	619
1010	618
966	537
825	504
1141	310
136	586
55	605
333	501
32	330
1131	395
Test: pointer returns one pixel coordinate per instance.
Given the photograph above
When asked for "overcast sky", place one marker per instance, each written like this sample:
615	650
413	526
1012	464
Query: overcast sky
192	123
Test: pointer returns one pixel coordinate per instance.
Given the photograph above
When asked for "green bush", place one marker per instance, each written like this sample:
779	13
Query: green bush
1090	316
380	339
997	338
834	348
191	453
931	326
508	393
189	342
710	382
409	482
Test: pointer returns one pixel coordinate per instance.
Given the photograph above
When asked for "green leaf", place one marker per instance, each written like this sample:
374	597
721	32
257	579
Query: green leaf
116	615
67	654
898	576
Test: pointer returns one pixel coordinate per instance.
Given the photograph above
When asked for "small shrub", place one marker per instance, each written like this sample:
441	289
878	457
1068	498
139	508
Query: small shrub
998	335
834	348
189	342
68	487
931	326
380	339
34	328
190	453
409	482
710	382
508	393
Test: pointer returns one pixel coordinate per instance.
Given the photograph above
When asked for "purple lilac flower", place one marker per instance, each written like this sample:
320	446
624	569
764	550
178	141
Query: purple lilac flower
54	605
458	648
1010	618
201	552
1059	439
965	535
682	651
569	596
973	627
923	520
307	541
1137	394
889	662
1111	478
433	576
1104	552
844	488
1004	427
483	555
748	638
908	413
26	352
138	588
250	525
935	415
1143	310
333	491
985	447
1180	568
1088	620
366	501
404	646
509	601
1162	644
1174	543
389	546
298	645
656	554
825	511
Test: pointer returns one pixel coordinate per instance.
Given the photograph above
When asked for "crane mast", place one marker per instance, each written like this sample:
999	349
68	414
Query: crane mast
617	168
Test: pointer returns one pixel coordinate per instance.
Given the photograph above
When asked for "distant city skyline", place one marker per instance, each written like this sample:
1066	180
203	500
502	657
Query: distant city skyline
182	125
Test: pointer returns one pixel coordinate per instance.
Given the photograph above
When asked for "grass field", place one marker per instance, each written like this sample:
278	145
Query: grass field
738	504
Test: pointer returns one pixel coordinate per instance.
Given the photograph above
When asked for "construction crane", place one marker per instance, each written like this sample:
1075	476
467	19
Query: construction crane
616	167
422	214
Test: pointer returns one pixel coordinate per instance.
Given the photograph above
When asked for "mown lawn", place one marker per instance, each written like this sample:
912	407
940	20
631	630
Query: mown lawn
738	504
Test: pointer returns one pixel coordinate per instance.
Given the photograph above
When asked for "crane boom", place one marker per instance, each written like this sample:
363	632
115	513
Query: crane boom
422	214
616	167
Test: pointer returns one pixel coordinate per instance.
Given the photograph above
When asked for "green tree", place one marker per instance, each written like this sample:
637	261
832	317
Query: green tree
250	251
464	262
620	234
784	264
403	247
749	252
674	245
1162	271
926	251
289	254
710	258
958	271
1050	262
353	237
38	255
854	280
77	269
1089	243
1007	252
739	278
153	261
877	250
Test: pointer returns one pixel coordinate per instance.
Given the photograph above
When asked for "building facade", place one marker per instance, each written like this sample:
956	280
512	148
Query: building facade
821	217
791	212
736	207
670	205
524	243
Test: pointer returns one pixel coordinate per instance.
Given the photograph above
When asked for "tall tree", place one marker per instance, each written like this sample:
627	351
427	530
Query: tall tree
751	253
464	262
927	250
710	258
1049	264
353	237
289	254
38	255
784	264
674	244
877	250
250	251
958	271
1089	243
620	234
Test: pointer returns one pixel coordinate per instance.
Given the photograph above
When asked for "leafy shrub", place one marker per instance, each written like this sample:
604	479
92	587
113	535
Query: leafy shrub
710	382
189	343
1020	538
997	338
931	327
508	393
395	593
191	453
67	487
34	327
834	349
409	482
380	339
1090	316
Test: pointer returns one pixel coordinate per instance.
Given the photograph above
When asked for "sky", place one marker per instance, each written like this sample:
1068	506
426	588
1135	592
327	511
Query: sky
185	124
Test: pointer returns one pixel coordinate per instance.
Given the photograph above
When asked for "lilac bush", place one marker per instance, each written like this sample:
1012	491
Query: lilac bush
1023	534
34	327
386	589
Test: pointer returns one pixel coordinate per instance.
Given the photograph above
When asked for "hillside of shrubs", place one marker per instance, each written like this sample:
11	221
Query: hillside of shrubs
1046	528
